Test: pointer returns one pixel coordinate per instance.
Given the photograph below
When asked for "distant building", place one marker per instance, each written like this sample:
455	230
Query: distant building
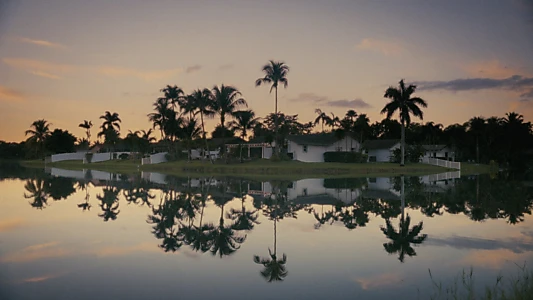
438	151
311	147
380	150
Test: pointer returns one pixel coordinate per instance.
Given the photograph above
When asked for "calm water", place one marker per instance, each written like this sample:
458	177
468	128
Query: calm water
95	235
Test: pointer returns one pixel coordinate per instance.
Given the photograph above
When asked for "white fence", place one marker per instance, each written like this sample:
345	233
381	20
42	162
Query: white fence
68	156
155	158
442	163
98	157
444	176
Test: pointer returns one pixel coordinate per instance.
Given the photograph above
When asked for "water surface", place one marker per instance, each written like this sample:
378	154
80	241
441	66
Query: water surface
94	235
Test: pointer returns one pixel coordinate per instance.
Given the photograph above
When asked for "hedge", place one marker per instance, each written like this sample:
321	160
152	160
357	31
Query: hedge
345	157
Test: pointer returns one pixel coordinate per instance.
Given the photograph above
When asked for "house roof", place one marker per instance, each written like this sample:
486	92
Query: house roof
314	139
433	147
379	144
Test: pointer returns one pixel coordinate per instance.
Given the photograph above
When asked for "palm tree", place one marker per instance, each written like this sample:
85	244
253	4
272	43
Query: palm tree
173	94
161	115
244	121
406	105
87	125
362	126
190	131
321	118
275	73
226	100
223	238
203	100
39	131
110	129
476	126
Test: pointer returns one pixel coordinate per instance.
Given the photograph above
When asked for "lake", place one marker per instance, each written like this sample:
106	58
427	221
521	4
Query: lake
95	235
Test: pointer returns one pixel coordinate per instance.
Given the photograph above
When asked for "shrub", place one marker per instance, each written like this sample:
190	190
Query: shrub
345	157
114	156
124	156
344	183
281	157
412	154
88	157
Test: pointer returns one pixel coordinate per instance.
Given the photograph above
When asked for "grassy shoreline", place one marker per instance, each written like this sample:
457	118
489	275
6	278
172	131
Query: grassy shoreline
263	169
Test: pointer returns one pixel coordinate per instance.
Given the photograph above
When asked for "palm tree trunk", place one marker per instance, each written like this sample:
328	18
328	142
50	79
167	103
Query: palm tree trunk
222	120
240	145
402	161
275	233
276	149
205	138
477	149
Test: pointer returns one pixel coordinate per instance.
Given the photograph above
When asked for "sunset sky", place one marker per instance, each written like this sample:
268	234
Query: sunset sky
71	60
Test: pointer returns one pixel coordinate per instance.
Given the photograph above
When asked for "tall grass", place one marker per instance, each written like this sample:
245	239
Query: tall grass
514	287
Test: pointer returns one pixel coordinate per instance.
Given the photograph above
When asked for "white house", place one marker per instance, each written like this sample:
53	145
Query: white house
438	151
380	150
311	147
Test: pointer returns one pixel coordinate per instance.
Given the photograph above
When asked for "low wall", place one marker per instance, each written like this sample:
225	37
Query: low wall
155	158
98	157
68	156
68	173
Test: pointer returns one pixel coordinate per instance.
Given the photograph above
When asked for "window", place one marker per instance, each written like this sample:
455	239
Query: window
372	159
372	180
305	191
338	149
353	149
446	154
305	148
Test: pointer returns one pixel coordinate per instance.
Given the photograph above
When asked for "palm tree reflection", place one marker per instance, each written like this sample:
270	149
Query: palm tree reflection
37	191
109	203
401	241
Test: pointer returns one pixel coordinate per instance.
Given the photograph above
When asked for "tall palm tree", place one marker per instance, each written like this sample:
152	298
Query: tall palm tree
275	73
321	118
190	131
203	102
476	126
173	94
362	126
160	117
406	105
39	131
244	121
111	120
226	100
87	125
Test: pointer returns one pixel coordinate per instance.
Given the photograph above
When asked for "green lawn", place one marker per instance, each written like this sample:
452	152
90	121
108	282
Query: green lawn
264	168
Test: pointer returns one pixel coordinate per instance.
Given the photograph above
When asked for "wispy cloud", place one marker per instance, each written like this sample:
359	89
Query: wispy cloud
52	70
122	250
378	281
40	43
226	67
387	48
515	83
325	101
491	69
113	71
516	245
193	69
45	75
43	277
10	95
36	252
11	224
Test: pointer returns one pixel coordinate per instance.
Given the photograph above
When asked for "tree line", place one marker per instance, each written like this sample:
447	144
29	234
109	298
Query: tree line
180	120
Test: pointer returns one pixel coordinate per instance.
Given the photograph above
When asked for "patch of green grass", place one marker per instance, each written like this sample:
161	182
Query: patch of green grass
289	170
474	169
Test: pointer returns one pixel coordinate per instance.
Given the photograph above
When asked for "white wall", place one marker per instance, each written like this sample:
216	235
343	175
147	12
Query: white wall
68	156
316	153
267	152
68	173
382	155
315	187
158	158
440	154
98	157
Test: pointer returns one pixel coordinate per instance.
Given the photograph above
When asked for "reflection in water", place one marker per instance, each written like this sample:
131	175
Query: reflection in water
109	203
37	192
177	218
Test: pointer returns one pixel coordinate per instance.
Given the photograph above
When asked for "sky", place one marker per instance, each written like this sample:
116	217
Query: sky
71	60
